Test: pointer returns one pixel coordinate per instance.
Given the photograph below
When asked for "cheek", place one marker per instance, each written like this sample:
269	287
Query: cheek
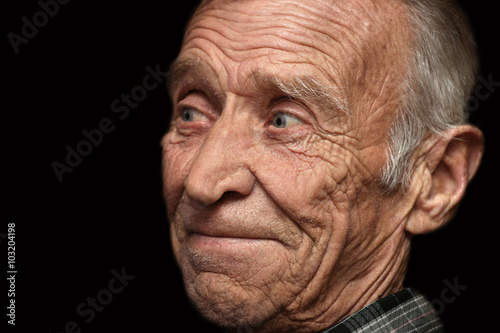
176	163
309	185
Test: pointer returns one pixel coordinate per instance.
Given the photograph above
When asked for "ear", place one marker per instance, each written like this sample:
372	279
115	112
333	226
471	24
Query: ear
442	174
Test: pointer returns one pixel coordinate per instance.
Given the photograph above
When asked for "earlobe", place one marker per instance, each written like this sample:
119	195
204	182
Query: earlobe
444	172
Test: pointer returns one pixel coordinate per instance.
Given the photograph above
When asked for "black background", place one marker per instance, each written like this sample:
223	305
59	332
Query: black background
109	212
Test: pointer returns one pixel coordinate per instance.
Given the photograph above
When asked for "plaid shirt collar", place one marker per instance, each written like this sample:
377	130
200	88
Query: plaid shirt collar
405	311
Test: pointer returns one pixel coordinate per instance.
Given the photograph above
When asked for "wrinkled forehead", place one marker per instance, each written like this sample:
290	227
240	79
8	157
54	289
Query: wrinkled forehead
332	18
346	42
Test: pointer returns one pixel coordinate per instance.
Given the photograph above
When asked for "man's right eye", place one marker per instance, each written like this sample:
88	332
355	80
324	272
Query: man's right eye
187	115
191	115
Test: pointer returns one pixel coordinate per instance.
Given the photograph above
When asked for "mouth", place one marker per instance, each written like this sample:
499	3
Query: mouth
235	231
228	232
226	229
221	230
229	241
229	254
219	240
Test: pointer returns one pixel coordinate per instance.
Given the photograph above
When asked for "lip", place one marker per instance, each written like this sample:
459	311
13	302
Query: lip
225	227
234	247
224	232
228	240
221	229
214	240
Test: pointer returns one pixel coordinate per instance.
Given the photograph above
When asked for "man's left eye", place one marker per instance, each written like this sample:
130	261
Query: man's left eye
284	120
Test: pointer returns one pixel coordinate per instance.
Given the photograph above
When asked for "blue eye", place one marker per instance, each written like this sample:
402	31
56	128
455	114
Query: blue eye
192	115
283	120
187	114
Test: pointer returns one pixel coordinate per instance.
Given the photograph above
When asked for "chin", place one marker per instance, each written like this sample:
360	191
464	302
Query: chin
227	303
234	283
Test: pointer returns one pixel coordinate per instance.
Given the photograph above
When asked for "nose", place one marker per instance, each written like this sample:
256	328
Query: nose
222	164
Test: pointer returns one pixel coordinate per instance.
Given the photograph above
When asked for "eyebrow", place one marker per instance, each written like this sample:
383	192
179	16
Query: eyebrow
303	87
179	69
309	89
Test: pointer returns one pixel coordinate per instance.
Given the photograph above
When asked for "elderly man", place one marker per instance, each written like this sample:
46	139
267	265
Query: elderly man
310	141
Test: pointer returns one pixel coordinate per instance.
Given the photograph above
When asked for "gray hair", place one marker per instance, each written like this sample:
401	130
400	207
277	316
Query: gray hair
440	79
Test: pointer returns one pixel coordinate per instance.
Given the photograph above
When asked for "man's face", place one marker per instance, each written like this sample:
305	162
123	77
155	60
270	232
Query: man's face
271	165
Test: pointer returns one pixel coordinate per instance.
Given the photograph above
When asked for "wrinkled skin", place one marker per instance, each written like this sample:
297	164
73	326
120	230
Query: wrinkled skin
277	218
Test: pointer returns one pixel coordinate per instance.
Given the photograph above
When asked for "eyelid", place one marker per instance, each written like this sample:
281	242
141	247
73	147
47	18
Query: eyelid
199	90
291	108
198	101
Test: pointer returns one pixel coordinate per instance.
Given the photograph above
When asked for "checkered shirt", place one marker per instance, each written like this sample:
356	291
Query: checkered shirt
403	312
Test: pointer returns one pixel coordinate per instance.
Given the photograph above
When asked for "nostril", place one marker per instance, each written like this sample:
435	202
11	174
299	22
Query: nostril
231	196
201	190
197	197
198	204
